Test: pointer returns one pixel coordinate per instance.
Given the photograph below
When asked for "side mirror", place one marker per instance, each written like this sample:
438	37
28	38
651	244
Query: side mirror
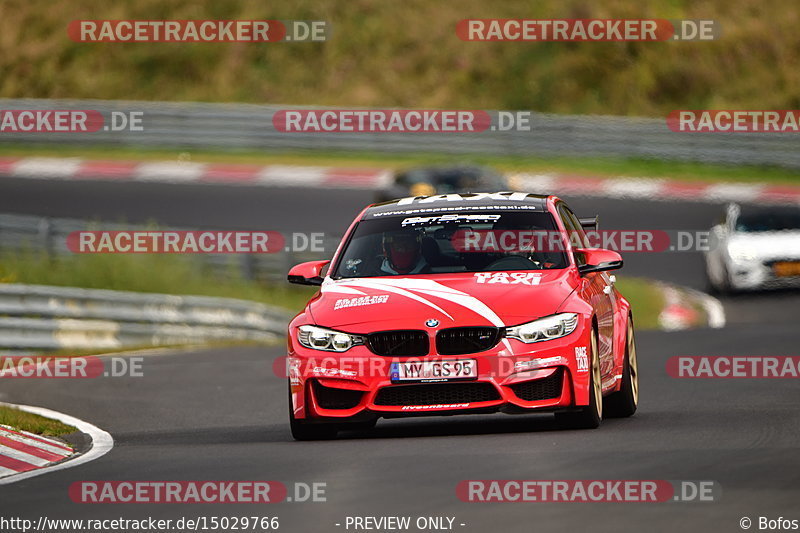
599	260
590	224
309	273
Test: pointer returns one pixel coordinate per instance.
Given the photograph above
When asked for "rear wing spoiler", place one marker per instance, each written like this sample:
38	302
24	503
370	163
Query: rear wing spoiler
591	223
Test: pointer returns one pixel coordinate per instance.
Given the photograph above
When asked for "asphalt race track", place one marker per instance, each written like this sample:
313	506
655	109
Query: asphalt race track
220	414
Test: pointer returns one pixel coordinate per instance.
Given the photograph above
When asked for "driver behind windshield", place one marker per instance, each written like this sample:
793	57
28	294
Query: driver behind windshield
402	253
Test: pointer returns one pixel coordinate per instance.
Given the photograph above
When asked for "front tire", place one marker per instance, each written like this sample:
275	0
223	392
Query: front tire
624	402
589	416
303	430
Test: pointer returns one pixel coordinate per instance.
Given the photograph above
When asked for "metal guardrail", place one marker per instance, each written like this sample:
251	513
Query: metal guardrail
37	318
244	126
49	235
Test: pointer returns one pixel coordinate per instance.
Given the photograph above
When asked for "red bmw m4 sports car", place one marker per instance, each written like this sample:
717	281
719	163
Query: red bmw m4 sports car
458	304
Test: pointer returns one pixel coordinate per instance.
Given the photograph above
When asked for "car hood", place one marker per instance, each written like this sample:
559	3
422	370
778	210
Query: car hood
363	305
768	245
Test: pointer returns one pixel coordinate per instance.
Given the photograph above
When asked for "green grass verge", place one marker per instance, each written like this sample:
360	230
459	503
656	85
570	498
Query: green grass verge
645	298
407	54
589	166
158	273
10	416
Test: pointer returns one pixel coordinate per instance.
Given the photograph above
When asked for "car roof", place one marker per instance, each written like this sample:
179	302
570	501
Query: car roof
504	200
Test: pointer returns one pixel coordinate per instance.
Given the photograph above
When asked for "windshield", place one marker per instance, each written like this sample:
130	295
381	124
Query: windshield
775	221
450	243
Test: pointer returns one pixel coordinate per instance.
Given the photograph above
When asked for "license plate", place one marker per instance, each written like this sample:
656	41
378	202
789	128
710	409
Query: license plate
786	268
431	371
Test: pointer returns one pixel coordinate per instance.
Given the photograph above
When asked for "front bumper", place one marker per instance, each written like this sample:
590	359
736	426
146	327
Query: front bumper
512	377
753	275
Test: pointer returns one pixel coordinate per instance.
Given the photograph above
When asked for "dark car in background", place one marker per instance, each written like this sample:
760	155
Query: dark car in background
428	181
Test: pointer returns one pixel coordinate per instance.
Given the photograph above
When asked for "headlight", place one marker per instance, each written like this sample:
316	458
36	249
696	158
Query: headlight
327	340
544	329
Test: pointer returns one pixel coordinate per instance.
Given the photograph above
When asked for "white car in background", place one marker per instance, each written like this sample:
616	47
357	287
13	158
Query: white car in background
754	248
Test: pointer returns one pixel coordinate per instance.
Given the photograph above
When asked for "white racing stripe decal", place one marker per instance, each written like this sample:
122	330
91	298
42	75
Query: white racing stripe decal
402	292
340	289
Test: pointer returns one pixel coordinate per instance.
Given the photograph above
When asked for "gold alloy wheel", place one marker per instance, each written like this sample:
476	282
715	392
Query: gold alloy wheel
633	365
597	383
